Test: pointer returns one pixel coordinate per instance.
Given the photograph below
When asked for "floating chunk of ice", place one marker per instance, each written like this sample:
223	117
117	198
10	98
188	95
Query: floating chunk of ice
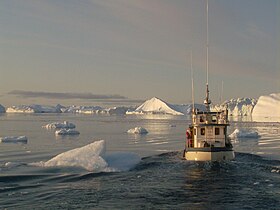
67	132
137	130
92	157
2	109
243	134
13	139
58	125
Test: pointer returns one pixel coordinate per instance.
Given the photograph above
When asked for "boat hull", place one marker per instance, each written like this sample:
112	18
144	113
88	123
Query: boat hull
209	154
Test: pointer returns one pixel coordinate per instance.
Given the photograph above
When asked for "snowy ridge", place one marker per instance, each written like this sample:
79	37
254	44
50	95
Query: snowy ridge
237	107
268	106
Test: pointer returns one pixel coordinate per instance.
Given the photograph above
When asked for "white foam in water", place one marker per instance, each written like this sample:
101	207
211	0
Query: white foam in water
137	130
243	134
121	161
92	158
13	139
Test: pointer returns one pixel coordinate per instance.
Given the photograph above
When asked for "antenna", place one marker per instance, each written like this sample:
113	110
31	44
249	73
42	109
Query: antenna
222	92
192	84
207	44
207	101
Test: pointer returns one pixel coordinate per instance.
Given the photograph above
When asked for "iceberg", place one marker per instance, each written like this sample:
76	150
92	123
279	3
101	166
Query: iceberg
267	106
82	109
67	132
237	107
20	109
95	110
59	125
186	109
137	130
92	157
13	139
243	134
158	106
2	109
35	108
117	110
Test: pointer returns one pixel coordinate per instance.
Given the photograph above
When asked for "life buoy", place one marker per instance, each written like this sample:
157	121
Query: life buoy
188	134
189	138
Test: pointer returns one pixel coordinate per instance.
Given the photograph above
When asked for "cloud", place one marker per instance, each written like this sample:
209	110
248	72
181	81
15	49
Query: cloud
56	95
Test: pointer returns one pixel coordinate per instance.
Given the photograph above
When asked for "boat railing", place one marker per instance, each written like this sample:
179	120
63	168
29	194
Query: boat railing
219	118
207	142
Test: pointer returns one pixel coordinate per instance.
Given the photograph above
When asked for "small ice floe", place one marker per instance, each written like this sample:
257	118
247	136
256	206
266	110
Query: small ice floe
13	139
137	130
59	125
67	132
12	164
275	170
243	134
93	157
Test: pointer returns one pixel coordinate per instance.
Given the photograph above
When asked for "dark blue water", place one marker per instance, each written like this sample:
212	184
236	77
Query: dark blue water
162	180
158	182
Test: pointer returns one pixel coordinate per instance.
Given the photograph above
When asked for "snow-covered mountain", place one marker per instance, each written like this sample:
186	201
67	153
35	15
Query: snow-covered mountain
237	107
268	106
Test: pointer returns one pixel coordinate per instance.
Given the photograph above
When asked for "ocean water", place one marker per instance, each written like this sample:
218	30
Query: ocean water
161	180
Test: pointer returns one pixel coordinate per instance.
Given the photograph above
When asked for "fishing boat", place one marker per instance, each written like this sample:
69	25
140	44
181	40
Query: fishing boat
206	137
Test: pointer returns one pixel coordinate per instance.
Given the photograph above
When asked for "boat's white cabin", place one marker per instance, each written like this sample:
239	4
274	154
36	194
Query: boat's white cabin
208	129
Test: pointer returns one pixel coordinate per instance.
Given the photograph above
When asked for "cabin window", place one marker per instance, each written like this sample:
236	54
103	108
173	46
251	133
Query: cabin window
214	118
217	131
202	131
201	119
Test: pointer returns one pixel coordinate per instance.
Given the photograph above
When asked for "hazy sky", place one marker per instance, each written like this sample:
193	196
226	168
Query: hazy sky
89	51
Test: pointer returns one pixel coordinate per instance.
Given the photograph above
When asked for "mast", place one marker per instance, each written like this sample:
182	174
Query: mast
193	109
207	100
222	92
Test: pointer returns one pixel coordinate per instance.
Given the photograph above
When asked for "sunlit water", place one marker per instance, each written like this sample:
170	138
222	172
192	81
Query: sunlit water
162	180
